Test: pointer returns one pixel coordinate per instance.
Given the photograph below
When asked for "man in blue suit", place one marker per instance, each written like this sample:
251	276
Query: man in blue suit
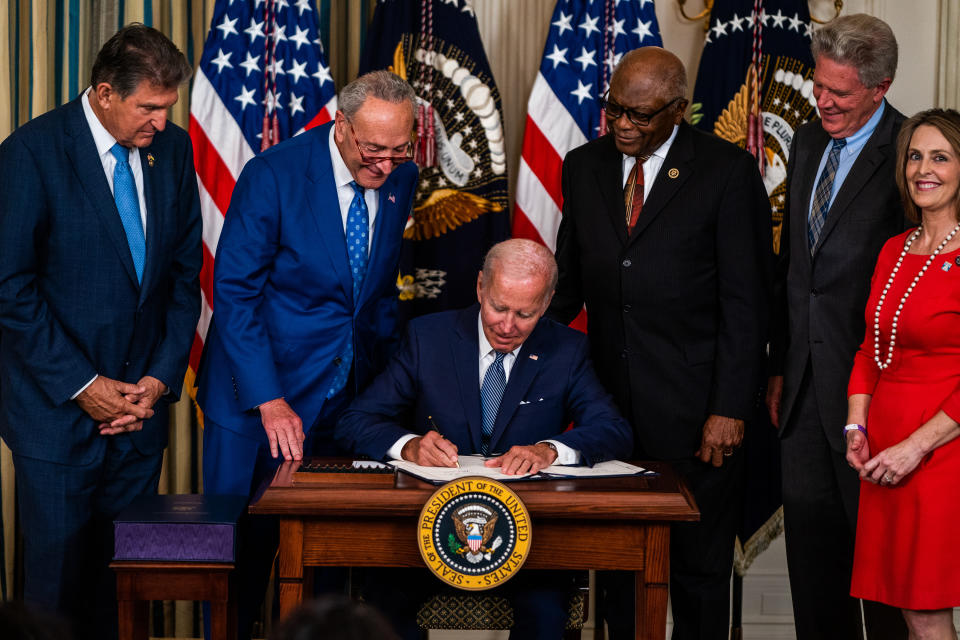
495	377
99	299
304	296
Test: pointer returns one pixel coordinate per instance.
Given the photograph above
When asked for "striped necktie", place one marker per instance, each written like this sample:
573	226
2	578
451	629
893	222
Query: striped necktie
821	195
491	392
128	206
633	193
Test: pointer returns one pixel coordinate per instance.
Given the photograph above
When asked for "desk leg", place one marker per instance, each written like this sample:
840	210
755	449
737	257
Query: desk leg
651	585
290	565
133	616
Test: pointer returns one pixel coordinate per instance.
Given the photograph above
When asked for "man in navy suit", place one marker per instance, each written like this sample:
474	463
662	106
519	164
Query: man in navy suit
445	372
304	296
99	299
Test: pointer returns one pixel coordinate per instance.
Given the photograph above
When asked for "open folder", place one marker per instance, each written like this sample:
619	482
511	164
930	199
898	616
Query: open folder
473	466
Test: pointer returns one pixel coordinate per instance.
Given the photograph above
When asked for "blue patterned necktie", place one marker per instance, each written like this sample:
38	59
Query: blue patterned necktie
491	391
128	205
821	195
357	232
358	228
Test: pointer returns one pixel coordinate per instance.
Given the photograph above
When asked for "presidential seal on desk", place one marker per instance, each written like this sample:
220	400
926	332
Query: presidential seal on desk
474	533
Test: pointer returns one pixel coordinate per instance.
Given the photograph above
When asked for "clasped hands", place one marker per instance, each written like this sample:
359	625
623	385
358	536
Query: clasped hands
120	407
888	467
433	450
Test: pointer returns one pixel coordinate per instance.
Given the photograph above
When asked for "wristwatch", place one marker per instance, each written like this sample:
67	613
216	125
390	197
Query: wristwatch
556	452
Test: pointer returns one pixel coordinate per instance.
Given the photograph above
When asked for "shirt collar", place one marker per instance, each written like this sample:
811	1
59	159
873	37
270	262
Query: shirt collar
858	139
485	347
663	149
341	174
101	137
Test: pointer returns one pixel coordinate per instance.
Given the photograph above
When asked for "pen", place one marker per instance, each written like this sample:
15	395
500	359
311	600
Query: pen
433	425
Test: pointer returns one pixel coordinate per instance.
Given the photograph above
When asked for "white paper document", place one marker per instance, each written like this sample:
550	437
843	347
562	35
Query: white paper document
473	466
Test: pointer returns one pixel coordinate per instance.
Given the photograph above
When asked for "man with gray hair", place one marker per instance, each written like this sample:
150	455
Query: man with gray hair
305	295
842	205
494	377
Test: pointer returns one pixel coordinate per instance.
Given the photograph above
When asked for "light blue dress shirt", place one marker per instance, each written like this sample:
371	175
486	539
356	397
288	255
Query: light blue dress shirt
848	155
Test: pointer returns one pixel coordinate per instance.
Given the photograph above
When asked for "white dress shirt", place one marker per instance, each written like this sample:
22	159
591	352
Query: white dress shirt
652	166
345	193
487	354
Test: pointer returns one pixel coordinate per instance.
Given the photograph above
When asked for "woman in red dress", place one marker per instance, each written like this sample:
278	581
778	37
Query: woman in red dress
904	394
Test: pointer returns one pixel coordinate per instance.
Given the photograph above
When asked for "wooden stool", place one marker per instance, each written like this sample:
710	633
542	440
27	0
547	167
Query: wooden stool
140	582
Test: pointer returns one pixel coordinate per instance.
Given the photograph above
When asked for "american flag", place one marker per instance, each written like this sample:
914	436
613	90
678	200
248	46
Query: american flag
263	78
586	40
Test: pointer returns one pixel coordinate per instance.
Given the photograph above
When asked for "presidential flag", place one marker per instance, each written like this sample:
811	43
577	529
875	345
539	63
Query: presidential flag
263	78
754	88
461	204
586	40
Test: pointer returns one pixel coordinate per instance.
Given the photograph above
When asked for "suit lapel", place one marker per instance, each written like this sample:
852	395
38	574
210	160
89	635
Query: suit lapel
868	161
466	360
609	176
322	197
154	213
82	156
676	169
524	370
386	211
807	171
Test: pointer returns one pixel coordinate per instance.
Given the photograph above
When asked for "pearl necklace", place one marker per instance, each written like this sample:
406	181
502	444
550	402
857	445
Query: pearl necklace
896	314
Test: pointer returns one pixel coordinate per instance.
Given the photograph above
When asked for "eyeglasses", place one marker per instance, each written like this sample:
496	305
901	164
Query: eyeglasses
370	159
613	111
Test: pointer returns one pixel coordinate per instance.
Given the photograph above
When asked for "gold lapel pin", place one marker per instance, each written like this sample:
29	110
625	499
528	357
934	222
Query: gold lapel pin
150	159
673	173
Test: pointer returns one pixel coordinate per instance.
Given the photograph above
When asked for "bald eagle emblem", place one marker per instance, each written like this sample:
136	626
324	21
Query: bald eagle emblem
445	210
474	524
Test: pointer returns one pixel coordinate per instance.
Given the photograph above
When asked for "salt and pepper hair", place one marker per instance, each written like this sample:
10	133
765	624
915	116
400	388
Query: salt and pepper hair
382	85
947	122
136	54
521	259
861	41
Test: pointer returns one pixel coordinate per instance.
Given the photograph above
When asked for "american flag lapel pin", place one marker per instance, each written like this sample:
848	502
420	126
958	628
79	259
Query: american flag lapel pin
392	198
534	356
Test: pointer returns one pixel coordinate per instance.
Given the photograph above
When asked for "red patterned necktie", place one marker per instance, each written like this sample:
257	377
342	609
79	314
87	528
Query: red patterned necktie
633	193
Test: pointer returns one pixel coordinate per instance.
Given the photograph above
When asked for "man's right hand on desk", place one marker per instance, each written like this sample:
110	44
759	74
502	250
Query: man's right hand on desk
430	450
284	429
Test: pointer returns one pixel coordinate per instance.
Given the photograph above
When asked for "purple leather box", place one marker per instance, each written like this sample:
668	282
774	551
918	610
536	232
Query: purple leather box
179	528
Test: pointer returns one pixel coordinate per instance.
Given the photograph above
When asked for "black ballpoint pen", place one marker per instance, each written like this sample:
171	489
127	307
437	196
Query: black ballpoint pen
433	425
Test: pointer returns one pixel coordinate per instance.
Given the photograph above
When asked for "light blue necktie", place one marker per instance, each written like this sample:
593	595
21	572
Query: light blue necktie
128	205
821	195
357	232
491	392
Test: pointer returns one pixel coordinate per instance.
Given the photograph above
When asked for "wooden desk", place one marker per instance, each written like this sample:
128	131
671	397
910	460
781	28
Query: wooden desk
617	523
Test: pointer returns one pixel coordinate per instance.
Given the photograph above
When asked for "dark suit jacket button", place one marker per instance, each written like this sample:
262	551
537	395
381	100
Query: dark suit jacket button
814	292
626	308
337	361
127	363
625	352
627	262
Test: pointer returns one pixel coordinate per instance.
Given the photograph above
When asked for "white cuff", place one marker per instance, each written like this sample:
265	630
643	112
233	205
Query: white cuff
395	451
84	387
565	455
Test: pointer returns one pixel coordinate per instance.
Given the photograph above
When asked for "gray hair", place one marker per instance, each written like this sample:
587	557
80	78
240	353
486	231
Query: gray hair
382	85
861	41
523	258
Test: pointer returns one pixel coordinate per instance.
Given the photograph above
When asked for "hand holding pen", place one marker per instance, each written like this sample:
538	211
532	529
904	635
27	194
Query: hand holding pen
431	449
